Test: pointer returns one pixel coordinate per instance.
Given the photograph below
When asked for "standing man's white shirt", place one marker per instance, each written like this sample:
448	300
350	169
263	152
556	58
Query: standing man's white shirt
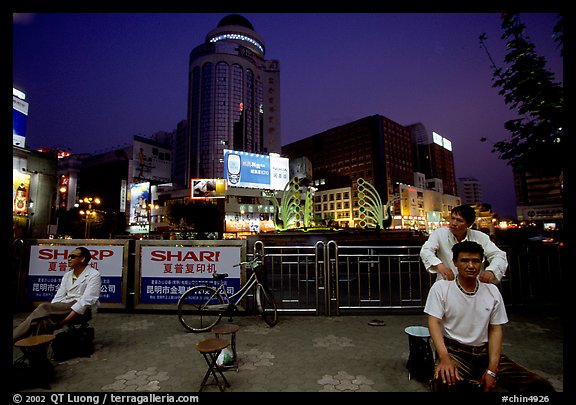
438	249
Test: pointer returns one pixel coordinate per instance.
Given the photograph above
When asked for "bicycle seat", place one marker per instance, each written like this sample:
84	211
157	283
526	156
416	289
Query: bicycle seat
219	276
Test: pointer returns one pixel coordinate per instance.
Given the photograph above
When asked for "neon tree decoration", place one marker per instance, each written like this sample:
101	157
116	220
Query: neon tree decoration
287	213
373	214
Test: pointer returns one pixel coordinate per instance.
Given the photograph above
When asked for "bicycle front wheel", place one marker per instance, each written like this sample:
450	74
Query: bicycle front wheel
267	305
200	308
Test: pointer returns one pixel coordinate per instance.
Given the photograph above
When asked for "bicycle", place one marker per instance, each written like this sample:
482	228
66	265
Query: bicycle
201	307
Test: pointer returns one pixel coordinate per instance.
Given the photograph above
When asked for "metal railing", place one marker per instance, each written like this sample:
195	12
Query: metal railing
296	276
328	279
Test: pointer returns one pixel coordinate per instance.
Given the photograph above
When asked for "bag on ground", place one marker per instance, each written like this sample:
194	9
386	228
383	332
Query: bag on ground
76	342
225	358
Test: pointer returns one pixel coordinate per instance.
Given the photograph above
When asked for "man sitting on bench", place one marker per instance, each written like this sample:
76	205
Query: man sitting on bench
79	291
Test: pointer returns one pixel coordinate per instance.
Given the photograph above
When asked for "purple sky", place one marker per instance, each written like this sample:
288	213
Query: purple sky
95	80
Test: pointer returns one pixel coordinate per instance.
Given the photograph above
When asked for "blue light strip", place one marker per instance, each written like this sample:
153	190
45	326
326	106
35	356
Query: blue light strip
236	37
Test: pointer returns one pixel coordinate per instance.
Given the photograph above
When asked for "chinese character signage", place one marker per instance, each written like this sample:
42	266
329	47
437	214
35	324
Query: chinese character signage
251	170
49	263
167	271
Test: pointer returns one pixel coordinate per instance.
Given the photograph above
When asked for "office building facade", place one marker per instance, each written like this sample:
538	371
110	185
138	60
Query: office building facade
374	148
433	157
469	190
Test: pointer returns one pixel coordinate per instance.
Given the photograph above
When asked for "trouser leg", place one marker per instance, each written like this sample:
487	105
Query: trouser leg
43	319
516	378
511	376
470	368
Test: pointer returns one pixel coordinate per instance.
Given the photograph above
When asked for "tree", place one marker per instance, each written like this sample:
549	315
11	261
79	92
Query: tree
202	217
529	88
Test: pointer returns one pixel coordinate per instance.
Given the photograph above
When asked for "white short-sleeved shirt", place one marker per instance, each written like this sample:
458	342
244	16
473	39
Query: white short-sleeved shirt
465	318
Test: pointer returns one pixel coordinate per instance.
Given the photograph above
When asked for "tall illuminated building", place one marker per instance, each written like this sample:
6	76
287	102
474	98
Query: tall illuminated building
433	157
233	98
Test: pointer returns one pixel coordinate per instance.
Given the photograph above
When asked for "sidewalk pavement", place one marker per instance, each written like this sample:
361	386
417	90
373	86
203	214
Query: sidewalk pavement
152	352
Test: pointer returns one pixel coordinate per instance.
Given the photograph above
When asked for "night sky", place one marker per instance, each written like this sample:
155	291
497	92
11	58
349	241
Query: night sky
94	80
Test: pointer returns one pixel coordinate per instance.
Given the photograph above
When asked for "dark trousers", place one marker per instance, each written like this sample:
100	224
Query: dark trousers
472	362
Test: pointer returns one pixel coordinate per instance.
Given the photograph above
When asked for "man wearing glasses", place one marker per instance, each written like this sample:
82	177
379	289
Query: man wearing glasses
79	292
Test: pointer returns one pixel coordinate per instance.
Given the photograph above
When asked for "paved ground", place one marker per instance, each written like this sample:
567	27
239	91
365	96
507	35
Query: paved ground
153	353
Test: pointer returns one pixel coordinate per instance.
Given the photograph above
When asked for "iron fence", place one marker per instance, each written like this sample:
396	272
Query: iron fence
329	279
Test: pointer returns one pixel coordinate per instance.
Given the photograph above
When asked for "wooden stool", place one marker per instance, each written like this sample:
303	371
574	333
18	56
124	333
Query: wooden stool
228	329
39	368
210	349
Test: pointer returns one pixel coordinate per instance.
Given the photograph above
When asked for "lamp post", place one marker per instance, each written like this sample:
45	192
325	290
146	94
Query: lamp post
89	211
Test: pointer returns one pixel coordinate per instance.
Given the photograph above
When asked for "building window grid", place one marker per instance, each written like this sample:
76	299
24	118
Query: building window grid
206	116
237	97
258	117
222	117
249	110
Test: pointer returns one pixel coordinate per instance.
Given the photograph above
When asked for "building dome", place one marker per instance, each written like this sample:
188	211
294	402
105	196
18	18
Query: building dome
235	28
235	19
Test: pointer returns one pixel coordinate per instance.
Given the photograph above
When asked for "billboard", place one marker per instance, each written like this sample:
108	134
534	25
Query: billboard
251	170
208	188
151	161
19	118
20	190
139	201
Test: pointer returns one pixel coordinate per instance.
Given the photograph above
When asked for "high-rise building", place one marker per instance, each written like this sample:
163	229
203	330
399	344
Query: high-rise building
433	157
469	190
374	148
233	98
539	197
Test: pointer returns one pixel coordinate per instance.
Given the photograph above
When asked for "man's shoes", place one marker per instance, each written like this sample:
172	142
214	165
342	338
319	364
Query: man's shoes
376	322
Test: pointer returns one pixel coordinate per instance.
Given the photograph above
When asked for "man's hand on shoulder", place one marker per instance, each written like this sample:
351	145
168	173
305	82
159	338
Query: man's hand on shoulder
487	276
445	271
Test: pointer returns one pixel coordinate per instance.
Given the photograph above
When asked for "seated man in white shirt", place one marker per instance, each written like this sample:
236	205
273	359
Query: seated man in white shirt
436	253
465	319
79	292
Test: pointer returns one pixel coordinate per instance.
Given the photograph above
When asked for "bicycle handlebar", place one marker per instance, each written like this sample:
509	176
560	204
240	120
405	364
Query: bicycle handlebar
257	260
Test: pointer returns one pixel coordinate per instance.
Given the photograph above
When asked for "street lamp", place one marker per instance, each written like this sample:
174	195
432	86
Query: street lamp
89	212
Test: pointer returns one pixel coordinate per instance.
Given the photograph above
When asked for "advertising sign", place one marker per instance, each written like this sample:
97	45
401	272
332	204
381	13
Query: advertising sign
208	188
139	201
251	170
167	271
248	223
48	263
151	160
19	116
279	172
20	189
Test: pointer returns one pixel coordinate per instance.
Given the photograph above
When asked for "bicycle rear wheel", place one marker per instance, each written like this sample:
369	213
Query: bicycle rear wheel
200	308
267	305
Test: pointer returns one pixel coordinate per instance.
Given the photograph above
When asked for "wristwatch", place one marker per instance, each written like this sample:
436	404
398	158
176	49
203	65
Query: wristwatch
491	373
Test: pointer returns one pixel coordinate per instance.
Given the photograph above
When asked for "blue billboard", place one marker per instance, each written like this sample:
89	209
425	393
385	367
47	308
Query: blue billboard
251	170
